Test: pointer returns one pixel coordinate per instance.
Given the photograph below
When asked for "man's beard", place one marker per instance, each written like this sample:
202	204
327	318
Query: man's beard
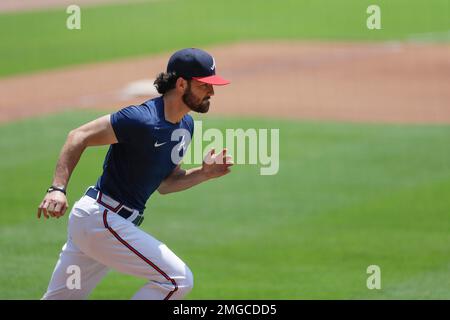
195	104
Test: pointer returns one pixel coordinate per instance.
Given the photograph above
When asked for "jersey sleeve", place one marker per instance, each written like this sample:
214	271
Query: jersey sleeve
129	124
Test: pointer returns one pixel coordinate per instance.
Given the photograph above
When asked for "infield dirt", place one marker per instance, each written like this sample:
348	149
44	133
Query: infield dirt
368	82
27	5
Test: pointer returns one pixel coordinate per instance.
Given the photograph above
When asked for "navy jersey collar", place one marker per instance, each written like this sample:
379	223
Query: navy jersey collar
160	108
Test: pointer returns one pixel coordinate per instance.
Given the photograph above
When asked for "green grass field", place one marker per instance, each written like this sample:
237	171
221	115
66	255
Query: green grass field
39	40
347	196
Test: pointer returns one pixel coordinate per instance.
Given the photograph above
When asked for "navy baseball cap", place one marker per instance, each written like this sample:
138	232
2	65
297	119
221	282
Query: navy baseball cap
192	63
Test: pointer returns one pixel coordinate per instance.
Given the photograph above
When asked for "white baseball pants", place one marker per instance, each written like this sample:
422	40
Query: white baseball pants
99	239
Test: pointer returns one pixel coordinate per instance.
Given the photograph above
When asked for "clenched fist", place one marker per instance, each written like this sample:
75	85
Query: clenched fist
54	205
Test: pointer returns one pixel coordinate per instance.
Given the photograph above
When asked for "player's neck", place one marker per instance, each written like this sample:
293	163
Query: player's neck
174	108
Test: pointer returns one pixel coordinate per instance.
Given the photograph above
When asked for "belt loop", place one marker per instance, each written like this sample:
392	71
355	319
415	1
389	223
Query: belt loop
99	200
137	222
133	216
89	188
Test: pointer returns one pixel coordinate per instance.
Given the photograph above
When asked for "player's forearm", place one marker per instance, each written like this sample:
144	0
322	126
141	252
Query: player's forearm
68	158
182	180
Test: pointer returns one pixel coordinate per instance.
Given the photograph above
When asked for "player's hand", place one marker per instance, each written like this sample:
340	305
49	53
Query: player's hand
216	165
54	205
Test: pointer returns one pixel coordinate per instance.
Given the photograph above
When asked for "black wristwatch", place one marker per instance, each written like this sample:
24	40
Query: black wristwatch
53	188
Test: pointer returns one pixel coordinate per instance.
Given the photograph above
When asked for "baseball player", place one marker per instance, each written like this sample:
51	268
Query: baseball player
147	143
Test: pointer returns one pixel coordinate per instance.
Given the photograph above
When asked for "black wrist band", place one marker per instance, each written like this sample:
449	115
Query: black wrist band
53	188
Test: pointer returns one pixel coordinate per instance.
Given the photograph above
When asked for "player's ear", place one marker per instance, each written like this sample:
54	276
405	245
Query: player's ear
181	85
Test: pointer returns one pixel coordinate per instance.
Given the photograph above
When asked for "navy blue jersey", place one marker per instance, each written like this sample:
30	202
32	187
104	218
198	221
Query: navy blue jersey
148	150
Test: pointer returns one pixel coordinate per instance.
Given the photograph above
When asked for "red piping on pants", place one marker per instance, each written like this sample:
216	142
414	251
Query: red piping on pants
140	256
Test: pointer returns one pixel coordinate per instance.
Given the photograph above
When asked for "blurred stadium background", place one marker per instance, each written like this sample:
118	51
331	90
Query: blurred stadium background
364	141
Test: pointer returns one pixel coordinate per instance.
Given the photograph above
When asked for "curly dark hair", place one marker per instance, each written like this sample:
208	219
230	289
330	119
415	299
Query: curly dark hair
165	82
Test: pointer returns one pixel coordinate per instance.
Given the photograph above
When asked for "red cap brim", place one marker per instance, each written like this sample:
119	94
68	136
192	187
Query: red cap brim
214	80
